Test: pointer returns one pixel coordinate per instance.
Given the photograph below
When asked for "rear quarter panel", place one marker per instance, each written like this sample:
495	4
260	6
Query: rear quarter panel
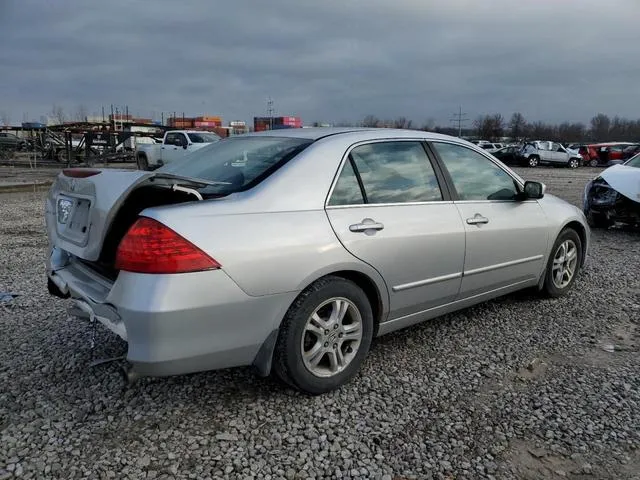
266	253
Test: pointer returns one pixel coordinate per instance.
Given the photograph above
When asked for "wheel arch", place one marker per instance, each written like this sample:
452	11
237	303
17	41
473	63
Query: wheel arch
580	229
375	291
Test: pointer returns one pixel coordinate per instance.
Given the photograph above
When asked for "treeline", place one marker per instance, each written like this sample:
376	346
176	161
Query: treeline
493	127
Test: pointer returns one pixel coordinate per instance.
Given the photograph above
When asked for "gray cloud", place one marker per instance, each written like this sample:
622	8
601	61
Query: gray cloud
331	60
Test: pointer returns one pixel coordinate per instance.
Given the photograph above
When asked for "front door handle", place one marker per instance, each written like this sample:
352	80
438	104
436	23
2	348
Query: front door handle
477	219
365	225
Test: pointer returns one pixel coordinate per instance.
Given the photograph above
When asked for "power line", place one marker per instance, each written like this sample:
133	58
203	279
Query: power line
460	118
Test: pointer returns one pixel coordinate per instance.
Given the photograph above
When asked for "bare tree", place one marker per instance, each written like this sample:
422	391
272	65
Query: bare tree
57	112
5	117
428	125
402	122
600	125
490	127
517	126
81	113
570	132
371	121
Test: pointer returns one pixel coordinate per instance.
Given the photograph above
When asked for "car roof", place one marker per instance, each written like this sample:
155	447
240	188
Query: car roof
359	133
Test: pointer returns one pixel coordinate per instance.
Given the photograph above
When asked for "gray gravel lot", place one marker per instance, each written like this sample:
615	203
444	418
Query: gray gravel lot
517	388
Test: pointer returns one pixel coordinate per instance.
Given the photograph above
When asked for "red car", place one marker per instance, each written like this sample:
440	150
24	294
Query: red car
603	154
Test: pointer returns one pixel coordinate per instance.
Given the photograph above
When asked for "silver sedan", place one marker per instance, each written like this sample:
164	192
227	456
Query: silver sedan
291	250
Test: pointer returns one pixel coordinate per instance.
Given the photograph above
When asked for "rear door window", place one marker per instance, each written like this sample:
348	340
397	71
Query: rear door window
396	172
171	139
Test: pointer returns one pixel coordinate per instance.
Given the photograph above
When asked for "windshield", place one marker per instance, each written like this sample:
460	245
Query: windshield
633	161
203	137
241	162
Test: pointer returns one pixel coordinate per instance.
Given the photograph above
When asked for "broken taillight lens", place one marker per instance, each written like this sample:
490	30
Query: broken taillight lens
151	247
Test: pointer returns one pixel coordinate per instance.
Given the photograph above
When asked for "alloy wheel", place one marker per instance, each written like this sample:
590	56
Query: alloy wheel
331	337
564	263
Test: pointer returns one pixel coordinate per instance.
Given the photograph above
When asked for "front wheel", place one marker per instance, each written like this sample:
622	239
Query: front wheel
533	161
574	163
324	336
564	263
593	162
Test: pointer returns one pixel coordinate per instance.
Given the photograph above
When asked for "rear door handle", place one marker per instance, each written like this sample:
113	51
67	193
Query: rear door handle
477	219
366	224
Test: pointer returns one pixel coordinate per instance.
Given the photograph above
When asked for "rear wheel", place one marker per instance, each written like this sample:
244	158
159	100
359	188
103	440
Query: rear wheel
143	163
61	155
564	263
533	161
324	336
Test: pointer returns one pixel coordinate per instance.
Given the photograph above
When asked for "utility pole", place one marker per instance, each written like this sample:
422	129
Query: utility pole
459	118
270	112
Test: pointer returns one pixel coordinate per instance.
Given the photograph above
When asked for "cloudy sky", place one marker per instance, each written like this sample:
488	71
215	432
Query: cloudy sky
331	60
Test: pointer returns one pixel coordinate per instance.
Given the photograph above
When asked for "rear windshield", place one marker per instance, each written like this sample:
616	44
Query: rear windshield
238	162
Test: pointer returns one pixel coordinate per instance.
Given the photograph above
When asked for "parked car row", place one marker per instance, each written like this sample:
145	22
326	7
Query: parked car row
536	153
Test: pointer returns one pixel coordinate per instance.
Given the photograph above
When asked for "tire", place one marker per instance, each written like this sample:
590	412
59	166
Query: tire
573	163
300	332
533	161
143	163
599	220
593	162
560	276
61	155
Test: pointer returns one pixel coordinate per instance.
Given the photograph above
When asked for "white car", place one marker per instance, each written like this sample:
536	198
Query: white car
547	152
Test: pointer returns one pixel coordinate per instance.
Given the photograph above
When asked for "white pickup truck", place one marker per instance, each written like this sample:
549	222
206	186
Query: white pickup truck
175	145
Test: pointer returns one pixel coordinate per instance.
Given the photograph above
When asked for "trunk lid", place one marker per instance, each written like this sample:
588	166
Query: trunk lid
79	211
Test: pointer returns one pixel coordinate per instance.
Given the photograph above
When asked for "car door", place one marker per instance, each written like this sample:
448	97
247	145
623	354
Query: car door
560	155
173	147
506	238
388	209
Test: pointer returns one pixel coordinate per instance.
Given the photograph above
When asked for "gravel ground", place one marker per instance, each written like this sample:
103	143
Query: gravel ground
517	388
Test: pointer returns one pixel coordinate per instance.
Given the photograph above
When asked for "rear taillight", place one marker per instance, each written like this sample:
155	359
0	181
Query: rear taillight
151	247
80	172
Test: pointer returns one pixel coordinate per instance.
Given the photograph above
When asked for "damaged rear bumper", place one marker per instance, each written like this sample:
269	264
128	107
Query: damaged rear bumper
173	324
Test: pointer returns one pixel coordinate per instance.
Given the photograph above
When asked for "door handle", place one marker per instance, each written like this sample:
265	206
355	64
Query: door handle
477	219
366	224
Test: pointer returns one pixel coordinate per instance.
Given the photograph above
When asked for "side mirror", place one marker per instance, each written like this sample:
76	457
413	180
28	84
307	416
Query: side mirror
534	190
185	145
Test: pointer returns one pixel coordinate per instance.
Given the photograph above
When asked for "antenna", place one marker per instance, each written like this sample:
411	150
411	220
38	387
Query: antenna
459	118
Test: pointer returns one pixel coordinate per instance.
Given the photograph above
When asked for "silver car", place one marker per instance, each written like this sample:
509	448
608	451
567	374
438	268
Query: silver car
290	250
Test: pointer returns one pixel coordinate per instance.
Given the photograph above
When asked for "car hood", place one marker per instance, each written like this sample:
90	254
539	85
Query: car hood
625	180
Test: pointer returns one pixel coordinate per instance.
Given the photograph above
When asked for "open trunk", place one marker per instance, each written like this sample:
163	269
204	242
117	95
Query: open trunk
89	211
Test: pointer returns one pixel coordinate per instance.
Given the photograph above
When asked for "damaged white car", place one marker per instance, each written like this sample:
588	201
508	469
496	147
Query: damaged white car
614	196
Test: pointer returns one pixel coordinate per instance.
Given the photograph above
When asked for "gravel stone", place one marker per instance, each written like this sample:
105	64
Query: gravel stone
456	397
